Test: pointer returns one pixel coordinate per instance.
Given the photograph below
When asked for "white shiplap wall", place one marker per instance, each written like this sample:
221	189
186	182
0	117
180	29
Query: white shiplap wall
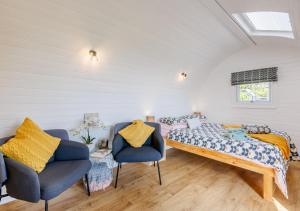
217	97
45	73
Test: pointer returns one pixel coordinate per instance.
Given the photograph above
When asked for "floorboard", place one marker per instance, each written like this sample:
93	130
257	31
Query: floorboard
190	182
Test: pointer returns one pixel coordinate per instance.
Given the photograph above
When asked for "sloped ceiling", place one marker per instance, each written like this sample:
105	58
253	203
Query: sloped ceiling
175	35
178	32
142	44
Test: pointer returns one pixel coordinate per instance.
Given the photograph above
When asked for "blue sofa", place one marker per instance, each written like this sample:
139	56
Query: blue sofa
69	164
152	149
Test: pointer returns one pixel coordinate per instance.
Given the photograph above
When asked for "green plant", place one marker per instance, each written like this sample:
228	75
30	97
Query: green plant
88	139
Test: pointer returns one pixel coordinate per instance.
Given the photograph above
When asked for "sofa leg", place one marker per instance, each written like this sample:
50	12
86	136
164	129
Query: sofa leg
158	169
87	184
46	205
116	182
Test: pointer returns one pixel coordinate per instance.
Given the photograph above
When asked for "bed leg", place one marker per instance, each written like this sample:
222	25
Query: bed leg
268	187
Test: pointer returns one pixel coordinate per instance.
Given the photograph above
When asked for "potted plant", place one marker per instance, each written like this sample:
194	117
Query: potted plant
88	139
91	120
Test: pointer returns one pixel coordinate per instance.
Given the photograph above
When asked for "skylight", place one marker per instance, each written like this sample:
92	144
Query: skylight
270	21
265	23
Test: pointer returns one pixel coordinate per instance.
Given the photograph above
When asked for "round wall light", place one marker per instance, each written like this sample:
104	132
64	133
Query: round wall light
93	55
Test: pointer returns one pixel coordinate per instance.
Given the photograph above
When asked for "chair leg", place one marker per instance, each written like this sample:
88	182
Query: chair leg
154	164
158	169
46	205
87	184
116	182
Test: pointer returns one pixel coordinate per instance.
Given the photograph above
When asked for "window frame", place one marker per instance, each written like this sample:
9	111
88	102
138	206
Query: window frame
269	102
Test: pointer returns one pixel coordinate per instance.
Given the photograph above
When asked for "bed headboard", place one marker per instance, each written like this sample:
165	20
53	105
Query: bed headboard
197	113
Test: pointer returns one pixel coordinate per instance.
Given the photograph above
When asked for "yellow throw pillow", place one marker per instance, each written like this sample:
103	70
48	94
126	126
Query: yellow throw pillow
31	146
137	133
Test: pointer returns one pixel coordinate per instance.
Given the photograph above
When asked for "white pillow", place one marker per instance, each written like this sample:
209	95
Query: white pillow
194	123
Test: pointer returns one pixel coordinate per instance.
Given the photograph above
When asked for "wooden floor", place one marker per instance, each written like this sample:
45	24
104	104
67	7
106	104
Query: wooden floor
190	182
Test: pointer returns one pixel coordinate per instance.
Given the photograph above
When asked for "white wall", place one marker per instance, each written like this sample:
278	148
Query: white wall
217	96
45	73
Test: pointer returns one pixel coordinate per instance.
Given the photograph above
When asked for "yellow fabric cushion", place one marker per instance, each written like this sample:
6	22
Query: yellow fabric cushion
31	146
137	133
232	126
276	140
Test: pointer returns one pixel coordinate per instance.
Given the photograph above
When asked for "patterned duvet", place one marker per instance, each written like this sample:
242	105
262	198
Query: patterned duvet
212	136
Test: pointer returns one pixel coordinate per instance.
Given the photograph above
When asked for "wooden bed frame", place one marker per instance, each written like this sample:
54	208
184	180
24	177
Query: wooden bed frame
268	173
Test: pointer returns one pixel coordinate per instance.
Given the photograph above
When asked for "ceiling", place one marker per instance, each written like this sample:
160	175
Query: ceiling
162	36
170	35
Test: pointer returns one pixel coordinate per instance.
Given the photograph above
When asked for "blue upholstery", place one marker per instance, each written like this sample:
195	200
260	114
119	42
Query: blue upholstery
71	150
23	182
152	150
69	163
142	154
60	175
62	134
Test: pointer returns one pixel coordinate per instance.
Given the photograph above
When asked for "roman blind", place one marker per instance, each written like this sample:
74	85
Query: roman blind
254	76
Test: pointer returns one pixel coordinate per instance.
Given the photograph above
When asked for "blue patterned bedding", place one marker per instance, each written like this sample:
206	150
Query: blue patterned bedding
213	136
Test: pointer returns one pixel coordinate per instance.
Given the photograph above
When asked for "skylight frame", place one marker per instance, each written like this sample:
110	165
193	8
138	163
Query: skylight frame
244	21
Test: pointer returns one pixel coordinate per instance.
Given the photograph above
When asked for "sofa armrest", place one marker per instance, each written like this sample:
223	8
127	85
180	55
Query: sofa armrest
118	144
71	150
23	182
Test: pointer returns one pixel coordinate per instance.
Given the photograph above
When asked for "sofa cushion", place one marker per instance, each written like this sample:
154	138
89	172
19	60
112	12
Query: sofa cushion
142	154
60	175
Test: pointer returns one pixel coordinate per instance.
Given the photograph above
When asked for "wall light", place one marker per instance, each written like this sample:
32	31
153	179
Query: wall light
93	55
182	76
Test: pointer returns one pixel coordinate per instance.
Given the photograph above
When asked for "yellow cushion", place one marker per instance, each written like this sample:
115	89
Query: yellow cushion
31	146
137	133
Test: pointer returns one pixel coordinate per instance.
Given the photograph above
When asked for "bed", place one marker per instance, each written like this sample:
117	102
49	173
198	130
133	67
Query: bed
209	141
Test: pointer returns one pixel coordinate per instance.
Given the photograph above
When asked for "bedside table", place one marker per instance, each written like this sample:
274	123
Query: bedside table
101	174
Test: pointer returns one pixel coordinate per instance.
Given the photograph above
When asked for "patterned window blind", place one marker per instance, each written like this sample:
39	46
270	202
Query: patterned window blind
254	76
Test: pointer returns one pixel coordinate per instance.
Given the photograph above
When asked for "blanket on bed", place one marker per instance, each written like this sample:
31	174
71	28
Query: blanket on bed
277	140
212	136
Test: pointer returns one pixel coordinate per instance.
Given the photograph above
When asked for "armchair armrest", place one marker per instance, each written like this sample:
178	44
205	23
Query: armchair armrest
23	182
118	144
158	142
71	150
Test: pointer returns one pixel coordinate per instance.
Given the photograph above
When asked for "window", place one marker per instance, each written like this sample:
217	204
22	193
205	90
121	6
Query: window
254	93
266	23
270	21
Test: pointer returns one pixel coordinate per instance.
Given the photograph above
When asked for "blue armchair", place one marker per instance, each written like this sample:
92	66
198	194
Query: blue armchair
152	149
69	163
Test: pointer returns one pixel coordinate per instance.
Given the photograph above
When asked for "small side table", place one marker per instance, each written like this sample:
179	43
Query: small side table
101	174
